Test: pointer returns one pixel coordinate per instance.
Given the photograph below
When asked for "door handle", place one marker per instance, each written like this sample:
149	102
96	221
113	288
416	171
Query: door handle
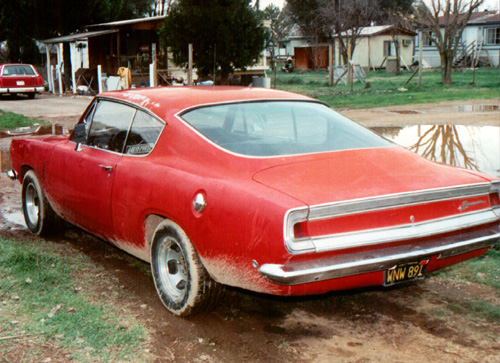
108	168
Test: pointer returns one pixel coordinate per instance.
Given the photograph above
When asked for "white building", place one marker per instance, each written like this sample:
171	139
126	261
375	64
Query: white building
480	39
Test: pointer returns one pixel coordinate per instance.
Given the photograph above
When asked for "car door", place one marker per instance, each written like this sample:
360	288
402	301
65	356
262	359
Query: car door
82	173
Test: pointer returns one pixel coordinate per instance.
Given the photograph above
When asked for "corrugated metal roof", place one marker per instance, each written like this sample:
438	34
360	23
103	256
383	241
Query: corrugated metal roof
78	36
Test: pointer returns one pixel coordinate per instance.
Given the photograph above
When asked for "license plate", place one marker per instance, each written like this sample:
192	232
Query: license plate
20	83
404	272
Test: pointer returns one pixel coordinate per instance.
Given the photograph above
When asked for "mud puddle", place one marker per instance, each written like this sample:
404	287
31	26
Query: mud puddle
471	147
455	108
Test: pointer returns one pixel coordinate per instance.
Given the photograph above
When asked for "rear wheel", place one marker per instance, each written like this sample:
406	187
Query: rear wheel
31	95
38	214
183	284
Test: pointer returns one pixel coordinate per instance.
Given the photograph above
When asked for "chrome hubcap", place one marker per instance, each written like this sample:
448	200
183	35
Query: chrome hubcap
32	204
172	268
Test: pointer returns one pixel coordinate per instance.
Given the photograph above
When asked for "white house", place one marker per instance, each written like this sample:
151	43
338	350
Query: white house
376	43
480	39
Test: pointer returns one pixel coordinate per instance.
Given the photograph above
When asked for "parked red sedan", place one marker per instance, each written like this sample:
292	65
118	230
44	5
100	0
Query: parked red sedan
20	78
260	189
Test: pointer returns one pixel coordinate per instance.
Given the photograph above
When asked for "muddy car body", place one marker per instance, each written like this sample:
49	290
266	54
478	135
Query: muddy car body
264	190
20	79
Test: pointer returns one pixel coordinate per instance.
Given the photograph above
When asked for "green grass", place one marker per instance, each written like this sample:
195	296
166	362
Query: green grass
47	297
484	271
11	120
388	89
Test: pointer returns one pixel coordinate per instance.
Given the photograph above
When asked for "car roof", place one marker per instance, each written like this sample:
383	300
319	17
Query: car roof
171	100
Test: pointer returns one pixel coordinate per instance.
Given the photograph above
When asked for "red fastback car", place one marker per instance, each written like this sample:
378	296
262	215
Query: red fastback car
20	79
261	189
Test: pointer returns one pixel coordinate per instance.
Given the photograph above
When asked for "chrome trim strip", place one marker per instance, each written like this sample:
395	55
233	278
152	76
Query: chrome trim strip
388	234
403	232
373	261
396	200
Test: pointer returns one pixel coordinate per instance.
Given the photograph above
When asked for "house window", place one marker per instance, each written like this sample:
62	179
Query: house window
387	48
493	36
426	40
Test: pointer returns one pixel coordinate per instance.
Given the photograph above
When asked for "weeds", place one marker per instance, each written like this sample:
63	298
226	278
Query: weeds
47	296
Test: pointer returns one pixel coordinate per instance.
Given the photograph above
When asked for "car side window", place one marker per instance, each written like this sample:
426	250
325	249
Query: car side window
110	125
143	135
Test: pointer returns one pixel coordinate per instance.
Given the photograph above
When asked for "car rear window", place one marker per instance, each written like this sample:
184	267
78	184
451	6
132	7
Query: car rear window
276	128
18	70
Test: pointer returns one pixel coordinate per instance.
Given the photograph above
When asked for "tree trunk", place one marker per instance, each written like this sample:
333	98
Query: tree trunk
446	67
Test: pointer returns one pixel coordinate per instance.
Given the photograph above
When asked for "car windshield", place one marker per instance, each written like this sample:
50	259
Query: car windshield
275	128
18	70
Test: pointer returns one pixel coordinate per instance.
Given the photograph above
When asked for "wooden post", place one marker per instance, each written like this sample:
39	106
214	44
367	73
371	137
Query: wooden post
59	76
349	65
58	68
330	65
50	78
420	65
118	49
190	64
154	63
369	56
99	78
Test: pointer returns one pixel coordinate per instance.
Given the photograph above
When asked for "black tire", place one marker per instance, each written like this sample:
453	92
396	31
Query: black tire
31	95
182	283
40	218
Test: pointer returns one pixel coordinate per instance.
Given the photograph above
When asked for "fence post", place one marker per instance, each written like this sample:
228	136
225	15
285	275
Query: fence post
420	65
190	64
99	78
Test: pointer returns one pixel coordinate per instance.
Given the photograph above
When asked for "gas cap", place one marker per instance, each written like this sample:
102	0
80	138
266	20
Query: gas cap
199	202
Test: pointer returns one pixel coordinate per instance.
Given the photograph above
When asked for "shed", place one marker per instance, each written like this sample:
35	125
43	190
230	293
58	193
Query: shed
127	43
375	43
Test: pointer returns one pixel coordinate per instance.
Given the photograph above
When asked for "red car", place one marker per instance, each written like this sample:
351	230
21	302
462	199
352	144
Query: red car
261	189
20	78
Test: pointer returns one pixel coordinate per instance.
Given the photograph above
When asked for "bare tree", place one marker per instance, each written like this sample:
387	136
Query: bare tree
281	23
162	7
346	19
443	22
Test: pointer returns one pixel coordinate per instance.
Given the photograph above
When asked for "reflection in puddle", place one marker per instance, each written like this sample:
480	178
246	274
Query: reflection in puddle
478	108
35	129
471	147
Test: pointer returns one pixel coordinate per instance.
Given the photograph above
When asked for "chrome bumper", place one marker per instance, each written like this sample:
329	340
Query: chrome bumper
22	89
377	260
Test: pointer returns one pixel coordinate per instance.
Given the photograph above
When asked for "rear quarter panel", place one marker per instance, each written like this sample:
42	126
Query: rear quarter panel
31	153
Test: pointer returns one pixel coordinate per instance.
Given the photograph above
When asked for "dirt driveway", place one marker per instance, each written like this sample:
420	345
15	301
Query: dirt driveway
427	320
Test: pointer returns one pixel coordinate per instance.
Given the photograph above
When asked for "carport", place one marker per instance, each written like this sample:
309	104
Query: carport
83	58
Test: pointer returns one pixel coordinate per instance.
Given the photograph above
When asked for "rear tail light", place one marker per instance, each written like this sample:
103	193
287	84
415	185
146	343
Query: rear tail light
300	230
40	80
296	232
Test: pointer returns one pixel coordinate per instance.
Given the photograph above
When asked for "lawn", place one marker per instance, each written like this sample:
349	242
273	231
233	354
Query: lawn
389	89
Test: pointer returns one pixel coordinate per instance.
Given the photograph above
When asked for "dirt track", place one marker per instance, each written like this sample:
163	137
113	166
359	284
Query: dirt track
404	324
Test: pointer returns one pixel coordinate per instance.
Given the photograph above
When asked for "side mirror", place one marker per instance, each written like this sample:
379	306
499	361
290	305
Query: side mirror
80	134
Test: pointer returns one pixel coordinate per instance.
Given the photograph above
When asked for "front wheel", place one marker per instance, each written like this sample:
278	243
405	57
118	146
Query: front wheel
38	214
182	283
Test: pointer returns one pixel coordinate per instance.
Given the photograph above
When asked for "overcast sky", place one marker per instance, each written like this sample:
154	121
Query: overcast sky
488	4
